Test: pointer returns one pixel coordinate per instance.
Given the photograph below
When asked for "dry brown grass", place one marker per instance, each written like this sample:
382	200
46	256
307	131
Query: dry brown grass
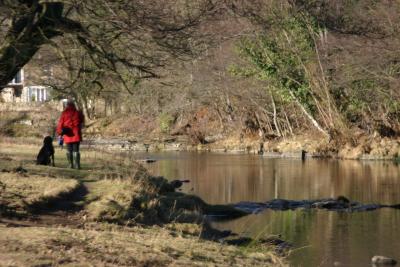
19	192
110	200
94	163
137	201
119	190
111	245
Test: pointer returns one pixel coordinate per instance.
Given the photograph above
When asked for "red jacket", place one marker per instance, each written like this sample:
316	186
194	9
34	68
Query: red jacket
70	125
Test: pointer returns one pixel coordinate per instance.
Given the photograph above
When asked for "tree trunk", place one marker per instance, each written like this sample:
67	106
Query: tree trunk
309	116
288	123
278	130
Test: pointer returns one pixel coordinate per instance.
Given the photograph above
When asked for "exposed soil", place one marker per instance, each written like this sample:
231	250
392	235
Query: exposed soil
63	210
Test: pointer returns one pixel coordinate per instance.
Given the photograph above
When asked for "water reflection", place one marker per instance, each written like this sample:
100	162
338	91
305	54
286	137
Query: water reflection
233	178
322	237
326	237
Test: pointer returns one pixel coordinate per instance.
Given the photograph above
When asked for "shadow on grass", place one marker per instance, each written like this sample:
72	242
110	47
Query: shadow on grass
70	202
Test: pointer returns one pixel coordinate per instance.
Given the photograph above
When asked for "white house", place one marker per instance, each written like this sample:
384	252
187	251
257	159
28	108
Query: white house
17	91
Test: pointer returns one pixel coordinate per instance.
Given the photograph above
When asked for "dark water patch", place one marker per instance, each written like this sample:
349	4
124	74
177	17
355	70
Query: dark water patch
341	204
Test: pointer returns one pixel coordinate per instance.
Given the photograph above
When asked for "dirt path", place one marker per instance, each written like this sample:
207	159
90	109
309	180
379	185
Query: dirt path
65	210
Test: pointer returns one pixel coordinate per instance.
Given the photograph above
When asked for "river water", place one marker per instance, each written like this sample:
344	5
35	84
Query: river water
320	238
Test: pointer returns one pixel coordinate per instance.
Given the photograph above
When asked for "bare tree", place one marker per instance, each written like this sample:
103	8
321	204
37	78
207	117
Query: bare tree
125	37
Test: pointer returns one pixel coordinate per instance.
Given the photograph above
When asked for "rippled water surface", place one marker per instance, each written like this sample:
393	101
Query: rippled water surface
320	237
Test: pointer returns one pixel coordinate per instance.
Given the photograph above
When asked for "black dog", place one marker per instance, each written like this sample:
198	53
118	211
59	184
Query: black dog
46	153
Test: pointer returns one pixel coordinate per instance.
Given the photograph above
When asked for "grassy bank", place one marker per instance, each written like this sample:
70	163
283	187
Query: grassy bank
20	192
112	245
122	216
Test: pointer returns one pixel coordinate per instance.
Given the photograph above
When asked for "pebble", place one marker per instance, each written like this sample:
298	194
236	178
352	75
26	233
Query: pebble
382	260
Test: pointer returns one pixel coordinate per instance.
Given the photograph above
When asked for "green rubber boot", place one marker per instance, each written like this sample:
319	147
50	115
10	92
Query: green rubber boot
70	160
77	160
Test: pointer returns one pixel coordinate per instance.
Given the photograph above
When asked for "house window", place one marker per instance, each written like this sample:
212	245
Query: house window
18	79
37	93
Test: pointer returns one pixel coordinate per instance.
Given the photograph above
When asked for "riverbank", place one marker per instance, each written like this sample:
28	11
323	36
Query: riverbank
134	133
111	212
203	134
365	148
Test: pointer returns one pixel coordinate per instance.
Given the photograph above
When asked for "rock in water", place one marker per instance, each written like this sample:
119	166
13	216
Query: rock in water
343	199
176	183
20	170
382	261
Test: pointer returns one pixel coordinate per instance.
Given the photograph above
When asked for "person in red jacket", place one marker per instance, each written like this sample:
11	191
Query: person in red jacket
70	127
